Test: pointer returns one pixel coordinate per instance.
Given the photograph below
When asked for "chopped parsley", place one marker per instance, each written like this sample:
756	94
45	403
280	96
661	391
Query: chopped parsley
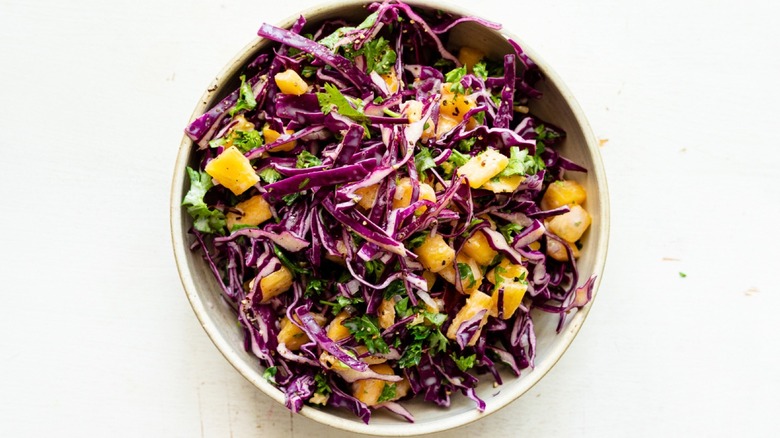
246	98
205	219
270	175
342	302
480	70
365	330
464	363
388	393
306	159
270	374
509	231
466	274
453	77
423	161
520	163
332	99
321	385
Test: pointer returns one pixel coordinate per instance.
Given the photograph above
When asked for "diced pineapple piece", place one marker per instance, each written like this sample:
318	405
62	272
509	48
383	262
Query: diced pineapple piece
455	105
435	254
481	168
476	302
445	125
535	245
430	279
292	336
386	313
367	196
336	331
392	81
403	195
233	170
289	82
469	56
369	390
254	211
508	271
275	283
478	248
557	250
505	184
468	270
571	225
512	295
562	193
412	109
271	136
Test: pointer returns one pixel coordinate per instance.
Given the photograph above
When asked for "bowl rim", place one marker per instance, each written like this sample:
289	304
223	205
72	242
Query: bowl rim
252	374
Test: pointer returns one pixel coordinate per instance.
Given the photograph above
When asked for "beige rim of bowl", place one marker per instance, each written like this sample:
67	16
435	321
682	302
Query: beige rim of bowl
252	373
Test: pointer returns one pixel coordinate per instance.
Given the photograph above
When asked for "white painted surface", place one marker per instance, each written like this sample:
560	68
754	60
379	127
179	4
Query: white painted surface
97	338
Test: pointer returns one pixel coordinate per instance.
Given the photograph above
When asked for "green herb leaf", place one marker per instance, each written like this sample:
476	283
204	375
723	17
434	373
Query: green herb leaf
314	287
466	275
421	336
333	99
379	56
454	77
331	40
205	219
306	160
388	393
402	308
365	330
245	141
520	163
424	161
291	198
270	374
509	231
464	363
342	302
288	263
246	98
466	144
396	287
270	175
480	70
321	385
416	240
457	158
683	275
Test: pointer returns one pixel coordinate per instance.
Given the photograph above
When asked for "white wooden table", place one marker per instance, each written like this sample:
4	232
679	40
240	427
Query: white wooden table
97	338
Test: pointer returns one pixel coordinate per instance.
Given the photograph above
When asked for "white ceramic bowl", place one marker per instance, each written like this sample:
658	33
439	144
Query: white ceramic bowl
557	106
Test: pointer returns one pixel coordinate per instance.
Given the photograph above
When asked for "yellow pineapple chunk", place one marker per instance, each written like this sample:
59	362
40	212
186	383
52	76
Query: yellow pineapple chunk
367	196
455	105
562	193
508	271
254	211
289	82
369	390
233	170
435	254
505	184
271	136
469	56
275	283
571	225
392	81
513	293
386	313
470	270
557	250
336	330
403	195
412	109
430	279
476	302
445	125
481	168
478	248
292	336
242	125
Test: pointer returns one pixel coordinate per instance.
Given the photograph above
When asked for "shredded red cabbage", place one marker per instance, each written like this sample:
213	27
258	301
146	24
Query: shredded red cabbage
329	259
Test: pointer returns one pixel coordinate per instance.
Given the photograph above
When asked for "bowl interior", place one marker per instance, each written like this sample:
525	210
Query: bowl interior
219	319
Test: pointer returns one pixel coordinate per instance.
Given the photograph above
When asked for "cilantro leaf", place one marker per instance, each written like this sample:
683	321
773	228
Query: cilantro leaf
424	161
395	288
205	219
466	144
480	70
314	286
295	268
457	158
453	77
321	385
466	274
421	335
365	330
270	374
270	175
379	56
245	141
464	363
402	308
417	240
331	40
246	98
333	99
520	163
374	268
342	302
388	393
509	230
306	160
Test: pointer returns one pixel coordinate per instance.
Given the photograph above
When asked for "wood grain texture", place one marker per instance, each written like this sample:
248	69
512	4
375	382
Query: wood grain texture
96	334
